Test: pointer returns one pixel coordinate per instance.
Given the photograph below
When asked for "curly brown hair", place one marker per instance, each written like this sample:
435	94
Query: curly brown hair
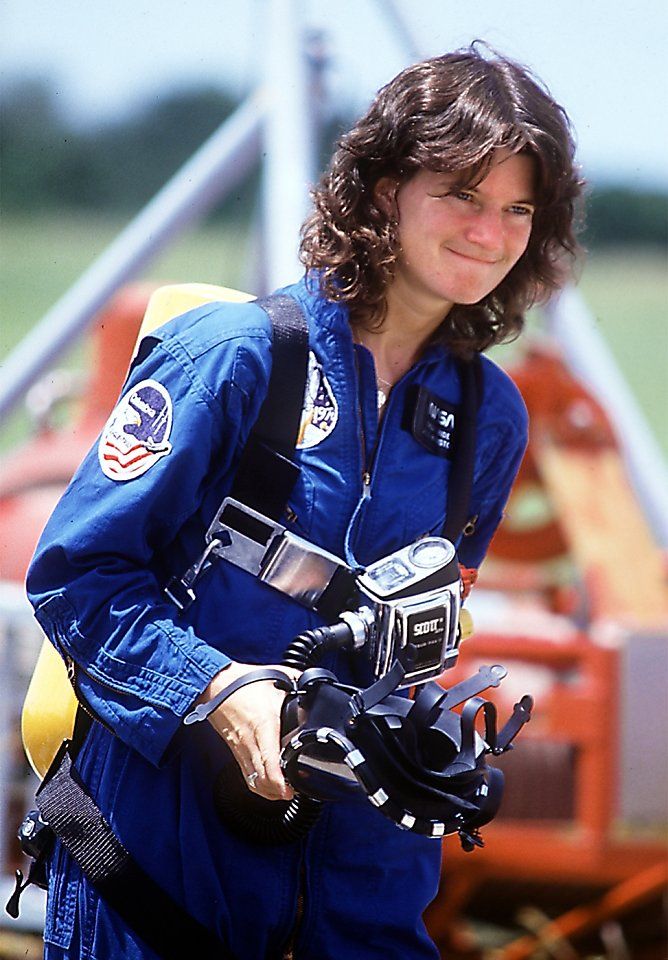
447	114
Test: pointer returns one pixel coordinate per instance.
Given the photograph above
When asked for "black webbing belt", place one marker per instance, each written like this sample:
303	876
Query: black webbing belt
140	902
66	810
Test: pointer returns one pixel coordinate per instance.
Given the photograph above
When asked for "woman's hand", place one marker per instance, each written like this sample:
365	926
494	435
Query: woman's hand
249	723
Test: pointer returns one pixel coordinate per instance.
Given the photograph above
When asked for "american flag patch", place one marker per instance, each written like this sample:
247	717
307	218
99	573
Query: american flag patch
136	435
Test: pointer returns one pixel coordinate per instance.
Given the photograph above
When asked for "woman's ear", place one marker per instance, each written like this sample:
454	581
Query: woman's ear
385	195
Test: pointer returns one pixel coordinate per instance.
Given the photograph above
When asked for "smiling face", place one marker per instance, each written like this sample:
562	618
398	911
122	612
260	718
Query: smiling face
457	245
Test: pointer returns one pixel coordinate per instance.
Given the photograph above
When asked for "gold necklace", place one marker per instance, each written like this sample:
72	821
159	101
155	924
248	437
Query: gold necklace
383	387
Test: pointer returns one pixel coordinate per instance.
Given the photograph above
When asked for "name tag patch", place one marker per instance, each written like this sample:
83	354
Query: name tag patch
434	423
136	435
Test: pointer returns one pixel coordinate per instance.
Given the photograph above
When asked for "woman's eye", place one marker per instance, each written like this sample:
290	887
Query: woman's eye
520	210
464	195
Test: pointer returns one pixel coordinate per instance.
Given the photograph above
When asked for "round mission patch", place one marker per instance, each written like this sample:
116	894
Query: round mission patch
136	435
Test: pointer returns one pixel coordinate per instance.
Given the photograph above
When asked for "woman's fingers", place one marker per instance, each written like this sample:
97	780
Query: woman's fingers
271	781
249	722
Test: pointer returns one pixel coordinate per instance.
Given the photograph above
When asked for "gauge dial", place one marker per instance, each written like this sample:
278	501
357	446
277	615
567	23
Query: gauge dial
431	552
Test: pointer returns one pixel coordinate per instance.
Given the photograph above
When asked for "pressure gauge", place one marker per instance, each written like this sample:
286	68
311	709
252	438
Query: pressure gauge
431	552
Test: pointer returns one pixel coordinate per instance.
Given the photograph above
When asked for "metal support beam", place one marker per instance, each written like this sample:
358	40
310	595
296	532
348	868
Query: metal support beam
403	25
214	170
289	144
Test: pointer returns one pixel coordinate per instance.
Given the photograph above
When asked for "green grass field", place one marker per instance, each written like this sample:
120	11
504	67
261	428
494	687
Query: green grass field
628	295
627	292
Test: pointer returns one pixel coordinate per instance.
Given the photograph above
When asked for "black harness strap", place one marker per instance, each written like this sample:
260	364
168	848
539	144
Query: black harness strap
460	482
267	473
203	710
279	419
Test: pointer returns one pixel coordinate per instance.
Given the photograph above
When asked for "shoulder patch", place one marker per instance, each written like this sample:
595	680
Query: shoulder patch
320	413
136	435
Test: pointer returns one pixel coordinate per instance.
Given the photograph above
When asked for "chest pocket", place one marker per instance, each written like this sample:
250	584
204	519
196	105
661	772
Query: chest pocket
408	501
424	511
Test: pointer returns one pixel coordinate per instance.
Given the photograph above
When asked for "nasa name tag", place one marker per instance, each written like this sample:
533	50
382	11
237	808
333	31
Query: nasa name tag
434	423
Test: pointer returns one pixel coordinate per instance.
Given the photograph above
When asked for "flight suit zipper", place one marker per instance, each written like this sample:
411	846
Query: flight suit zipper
367	460
365	467
73	669
289	949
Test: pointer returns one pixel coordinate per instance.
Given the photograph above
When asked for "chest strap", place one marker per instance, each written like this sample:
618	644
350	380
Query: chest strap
460	483
267	472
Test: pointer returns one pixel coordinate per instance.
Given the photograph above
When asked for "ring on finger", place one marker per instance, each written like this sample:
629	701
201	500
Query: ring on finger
251	778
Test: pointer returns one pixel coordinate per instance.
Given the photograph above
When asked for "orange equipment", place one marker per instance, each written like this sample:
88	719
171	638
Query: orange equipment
588	512
585	803
35	475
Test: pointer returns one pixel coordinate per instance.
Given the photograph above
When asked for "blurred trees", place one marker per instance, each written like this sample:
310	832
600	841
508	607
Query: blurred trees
119	165
617	215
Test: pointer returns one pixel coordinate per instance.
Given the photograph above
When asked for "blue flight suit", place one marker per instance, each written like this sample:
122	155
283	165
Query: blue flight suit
136	513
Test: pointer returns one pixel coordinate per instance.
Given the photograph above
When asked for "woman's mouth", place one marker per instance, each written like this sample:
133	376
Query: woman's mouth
472	258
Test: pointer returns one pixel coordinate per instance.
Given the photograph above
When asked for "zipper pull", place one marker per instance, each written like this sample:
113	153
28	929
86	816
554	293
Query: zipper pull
70	666
469	528
366	485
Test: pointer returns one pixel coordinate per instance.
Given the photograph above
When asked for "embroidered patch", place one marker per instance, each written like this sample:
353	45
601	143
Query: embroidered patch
321	411
136	435
433	423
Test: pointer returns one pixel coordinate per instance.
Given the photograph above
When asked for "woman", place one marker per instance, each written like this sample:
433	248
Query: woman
446	211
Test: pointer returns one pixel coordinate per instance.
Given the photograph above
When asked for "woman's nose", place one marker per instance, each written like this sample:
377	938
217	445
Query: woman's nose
485	229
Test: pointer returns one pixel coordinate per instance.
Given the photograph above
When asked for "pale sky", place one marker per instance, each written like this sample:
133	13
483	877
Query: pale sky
604	60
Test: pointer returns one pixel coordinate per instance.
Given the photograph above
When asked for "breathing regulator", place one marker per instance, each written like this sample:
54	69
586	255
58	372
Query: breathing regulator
421	762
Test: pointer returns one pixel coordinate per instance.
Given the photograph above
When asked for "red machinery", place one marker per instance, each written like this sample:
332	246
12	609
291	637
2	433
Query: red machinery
573	600
34	476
